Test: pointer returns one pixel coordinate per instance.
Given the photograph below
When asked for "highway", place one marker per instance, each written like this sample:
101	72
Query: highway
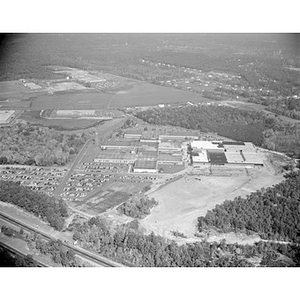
17	251
101	261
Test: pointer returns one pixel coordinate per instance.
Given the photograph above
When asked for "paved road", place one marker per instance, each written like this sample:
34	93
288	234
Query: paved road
103	133
101	261
77	160
20	252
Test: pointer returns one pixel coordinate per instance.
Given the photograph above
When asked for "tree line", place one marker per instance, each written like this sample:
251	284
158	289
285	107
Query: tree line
57	251
234	123
53	248
52	210
128	244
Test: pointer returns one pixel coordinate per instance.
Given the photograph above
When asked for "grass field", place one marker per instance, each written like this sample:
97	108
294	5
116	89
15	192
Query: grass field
183	201
145	94
169	169
142	94
83	100
14	103
7	88
33	117
109	196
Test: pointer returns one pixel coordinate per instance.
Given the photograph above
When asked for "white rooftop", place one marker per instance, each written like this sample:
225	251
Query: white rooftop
202	157
204	145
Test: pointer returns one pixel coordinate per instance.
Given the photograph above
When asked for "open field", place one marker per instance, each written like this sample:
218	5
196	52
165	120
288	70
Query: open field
72	101
15	103
145	94
15	95
10	88
111	195
63	86
183	201
33	117
170	169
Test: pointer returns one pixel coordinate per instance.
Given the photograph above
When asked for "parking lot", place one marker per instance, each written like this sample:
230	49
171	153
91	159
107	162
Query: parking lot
88	177
44	179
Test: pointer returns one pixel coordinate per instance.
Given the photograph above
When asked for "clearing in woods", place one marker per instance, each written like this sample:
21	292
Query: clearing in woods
183	201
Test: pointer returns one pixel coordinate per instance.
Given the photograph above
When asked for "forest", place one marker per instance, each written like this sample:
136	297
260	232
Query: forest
234	123
128	244
273	213
137	207
55	248
253	56
25	144
52	210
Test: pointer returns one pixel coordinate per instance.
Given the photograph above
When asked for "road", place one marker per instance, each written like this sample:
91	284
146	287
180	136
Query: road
77	160
103	133
19	252
101	261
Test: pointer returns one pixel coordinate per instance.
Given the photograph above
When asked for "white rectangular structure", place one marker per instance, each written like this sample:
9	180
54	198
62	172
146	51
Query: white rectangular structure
5	115
201	157
234	157
253	158
206	145
68	112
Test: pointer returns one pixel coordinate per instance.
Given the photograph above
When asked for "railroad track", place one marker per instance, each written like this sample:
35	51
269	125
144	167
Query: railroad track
16	251
80	252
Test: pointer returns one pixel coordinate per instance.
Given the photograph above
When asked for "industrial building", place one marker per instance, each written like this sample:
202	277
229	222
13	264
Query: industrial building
178	136
145	155
170	159
220	153
145	166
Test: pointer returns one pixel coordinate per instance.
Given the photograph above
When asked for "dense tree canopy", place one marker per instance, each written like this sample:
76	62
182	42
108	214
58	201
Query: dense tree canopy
52	210
233	123
137	207
35	145
128	245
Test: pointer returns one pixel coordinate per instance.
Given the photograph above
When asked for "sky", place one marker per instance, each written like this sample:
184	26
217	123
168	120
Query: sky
149	16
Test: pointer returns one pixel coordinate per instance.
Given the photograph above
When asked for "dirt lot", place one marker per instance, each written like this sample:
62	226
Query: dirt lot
183	201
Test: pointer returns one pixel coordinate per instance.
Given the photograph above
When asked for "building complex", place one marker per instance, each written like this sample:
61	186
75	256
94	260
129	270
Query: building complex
153	155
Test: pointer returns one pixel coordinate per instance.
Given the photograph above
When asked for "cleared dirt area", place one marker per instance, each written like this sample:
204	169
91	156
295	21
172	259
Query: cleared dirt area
183	201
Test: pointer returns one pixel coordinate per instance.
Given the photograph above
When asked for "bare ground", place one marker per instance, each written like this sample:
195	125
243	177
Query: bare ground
183	201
